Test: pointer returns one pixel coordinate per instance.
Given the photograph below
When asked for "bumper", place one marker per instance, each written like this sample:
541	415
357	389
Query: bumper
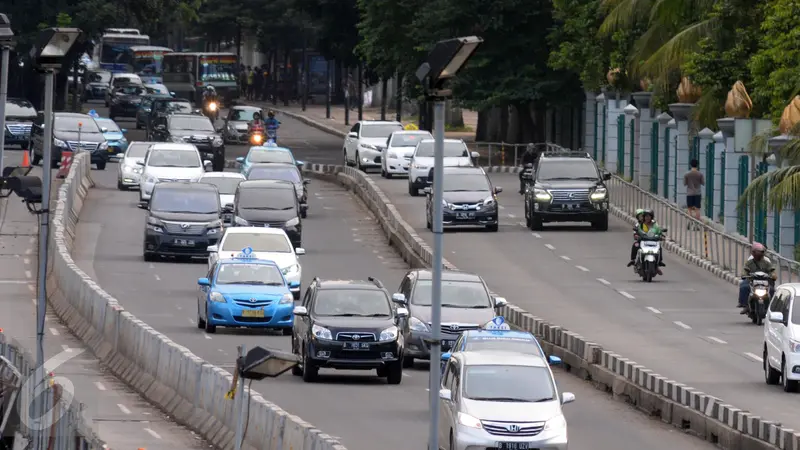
368	158
238	137
397	166
115	148
474	439
331	354
123	110
473	218
17	139
166	244
793	366
130	179
416	347
295	277
94	94
146	190
583	212
232	315
418	179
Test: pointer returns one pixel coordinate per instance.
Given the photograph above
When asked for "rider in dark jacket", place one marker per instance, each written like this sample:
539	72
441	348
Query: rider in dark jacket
529	159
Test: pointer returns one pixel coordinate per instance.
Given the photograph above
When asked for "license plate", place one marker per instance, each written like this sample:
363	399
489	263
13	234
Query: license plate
356	346
184	242
253	313
465	215
515	446
447	344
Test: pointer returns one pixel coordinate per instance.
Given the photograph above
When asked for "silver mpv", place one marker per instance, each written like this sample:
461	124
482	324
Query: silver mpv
501	400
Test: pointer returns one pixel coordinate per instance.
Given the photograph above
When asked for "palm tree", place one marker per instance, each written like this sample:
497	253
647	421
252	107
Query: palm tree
780	187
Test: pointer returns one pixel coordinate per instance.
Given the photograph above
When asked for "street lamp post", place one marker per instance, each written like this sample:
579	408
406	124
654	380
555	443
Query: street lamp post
443	63
6	44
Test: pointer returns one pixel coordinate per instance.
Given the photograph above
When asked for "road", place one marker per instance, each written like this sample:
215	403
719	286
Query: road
342	241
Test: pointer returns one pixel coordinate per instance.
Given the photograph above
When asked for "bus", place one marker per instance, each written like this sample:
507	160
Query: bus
187	75
145	61
112	46
133	31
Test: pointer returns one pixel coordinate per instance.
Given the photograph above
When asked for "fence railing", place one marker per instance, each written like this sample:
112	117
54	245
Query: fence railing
503	154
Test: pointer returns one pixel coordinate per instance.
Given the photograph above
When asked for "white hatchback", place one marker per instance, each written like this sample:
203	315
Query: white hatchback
170	162
365	142
396	157
129	170
782	338
456	154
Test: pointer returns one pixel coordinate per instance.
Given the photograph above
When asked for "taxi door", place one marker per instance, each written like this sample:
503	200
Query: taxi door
774	332
447	408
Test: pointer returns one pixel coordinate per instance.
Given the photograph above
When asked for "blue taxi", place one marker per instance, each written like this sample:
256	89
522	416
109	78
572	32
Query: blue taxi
115	136
498	335
245	292
267	153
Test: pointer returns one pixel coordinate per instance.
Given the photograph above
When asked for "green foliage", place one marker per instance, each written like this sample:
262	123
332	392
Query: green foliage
575	46
384	29
335	23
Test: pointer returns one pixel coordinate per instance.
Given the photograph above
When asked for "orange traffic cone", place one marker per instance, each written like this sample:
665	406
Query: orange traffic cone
26	162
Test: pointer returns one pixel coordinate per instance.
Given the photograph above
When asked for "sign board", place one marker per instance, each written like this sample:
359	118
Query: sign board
247	253
497	324
411	127
218	60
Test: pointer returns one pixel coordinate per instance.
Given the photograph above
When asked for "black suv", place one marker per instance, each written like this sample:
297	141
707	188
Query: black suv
469	199
348	325
183	220
268	203
125	100
567	187
193	129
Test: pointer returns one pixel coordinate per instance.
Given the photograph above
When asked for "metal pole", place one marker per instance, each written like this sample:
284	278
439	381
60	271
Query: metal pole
3	98
240	404
436	306
44	231
360	92
329	75
347	83
304	74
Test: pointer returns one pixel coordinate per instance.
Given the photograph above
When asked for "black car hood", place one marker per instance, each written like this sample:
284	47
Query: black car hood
98	84
568	184
466	197
128	98
264	215
190	133
23	120
184	217
72	136
349	324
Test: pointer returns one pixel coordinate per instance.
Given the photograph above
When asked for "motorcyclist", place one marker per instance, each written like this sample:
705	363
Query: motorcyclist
649	228
209	94
272	123
757	263
635	246
528	162
257	124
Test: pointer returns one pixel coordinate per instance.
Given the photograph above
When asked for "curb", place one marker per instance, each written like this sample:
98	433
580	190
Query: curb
684	407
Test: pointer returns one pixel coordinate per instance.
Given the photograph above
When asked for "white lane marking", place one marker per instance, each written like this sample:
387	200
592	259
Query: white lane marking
35	303
28	274
380	257
604	281
716	339
153	433
627	295
26	261
207	336
405	374
511	216
502	207
653	310
31	287
100	386
549	246
54	332
753	357
29	251
566	258
158	278
537	235
152	266
522	224
66	348
191	321
123	408
582	268
682	325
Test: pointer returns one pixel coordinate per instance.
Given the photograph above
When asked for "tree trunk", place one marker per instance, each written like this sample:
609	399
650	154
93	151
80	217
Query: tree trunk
285	82
239	42
482	128
538	114
398	96
453	116
384	94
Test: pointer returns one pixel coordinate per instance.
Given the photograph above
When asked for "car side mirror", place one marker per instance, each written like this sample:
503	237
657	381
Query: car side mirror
475	155
352	135
124	130
300	311
776	317
140	163
294	284
299	251
426	190
104	129
554	360
500	302
300	163
663	230
567	397
306	182
240	160
143	204
399	298
172	94
208	166
212	249
229	206
446	356
498	189
204	282
402	313
606	176
446	394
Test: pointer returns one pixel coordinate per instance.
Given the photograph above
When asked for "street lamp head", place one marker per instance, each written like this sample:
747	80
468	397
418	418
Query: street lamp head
260	363
53	45
6	34
447	58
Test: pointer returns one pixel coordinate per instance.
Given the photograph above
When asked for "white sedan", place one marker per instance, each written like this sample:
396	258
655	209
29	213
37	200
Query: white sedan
396	157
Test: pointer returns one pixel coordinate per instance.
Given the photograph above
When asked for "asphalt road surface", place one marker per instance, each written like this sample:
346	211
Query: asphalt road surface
342	241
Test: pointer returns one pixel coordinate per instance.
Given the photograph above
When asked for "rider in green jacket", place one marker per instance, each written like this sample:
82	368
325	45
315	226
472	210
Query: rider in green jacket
649	228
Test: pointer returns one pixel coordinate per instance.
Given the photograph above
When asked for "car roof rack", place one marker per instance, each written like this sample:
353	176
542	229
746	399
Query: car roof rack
376	282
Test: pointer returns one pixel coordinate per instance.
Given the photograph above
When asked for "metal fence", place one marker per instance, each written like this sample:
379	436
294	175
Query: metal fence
503	154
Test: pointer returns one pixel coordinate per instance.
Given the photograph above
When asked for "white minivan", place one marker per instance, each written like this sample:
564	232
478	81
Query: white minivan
170	162
782	338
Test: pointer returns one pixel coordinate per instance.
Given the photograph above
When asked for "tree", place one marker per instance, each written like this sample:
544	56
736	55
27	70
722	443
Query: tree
335	24
385	27
576	47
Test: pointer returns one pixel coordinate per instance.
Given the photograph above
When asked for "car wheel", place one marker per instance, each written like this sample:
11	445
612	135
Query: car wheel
210	329
383	172
286	331
138	125
788	385
771	375
310	371
297	369
602	224
536	223
101	165
493	228
389	175
121	186
408	362
34	158
200	322
394	373
303	214
412	191
24	145
148	257
358	162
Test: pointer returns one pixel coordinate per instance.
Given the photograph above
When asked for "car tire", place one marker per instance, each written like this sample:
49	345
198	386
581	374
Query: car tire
428	224
389	175
536	223
787	384
200	322
34	158
771	376
493	228
310	371
210	329
101	165
601	224
24	145
383	172
121	186
286	331
413	191
303	214
358	162
138	125
408	362
394	373
148	257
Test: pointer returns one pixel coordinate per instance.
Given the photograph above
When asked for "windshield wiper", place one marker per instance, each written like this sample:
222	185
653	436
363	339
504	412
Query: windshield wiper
187	212
558	179
453	305
262	208
465	190
499	399
476	306
585	178
542	400
360	315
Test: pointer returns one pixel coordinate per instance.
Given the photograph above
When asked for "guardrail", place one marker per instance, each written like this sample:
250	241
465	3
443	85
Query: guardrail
189	389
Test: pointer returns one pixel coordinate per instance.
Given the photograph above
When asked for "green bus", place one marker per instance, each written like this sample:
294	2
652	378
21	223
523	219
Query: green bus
187	75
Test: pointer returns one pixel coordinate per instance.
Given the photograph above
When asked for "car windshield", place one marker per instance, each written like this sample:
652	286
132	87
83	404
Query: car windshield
259	242
137	150
271	156
131	90
174	158
409	140
567	170
258	274
109	125
156	89
244	114
72	123
451	150
180	107
518	345
352	303
796	313
379	131
502	383
100	77
465	183
274	173
455	294
225	185
185	201
197	123
267	199
119	81
20	109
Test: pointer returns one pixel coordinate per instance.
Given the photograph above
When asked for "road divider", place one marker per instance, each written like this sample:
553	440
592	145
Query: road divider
168	375
686	408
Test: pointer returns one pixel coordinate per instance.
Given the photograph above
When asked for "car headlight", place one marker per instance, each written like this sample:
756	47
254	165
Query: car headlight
292	222
321	332
556	423
542	195
217	142
599	194
241	222
216	297
294	268
794	346
760	292
489	201
177	139
151	179
368	147
388	334
469	421
59	143
103	146
417	325
419	166
215	227
155	225
392	155
286	299
146	109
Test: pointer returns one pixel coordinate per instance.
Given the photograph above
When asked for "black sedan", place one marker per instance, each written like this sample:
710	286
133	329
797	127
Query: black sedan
125	101
193	129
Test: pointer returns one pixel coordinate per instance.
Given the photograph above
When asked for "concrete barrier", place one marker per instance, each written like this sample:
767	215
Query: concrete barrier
686	408
168	375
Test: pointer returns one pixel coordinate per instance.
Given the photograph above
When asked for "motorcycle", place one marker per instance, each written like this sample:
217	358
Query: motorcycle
272	135
646	263
211	109
526	178
256	137
759	299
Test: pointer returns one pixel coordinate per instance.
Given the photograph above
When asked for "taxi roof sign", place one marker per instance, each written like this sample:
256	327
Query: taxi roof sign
498	323
247	253
270	143
93	114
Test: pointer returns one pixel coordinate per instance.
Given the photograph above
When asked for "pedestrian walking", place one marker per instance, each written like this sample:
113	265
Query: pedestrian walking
251	75
694	181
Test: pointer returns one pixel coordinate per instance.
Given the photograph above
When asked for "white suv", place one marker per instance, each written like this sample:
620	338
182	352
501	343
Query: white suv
782	338
365	142
170	162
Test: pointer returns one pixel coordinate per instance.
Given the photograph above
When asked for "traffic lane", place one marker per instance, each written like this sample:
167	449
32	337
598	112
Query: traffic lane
343	242
693	337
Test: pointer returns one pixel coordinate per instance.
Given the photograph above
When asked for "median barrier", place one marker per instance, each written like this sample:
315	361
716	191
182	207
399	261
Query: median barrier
684	407
168	375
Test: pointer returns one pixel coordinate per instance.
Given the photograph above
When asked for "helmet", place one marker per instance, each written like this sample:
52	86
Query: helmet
271	113
210	89
648	212
639	212
758	248
256	115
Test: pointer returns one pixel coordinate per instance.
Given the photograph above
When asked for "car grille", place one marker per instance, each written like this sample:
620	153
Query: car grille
252	319
19	129
466	206
254	302
86	146
527	429
350	336
458	328
570	195
177	228
271	224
